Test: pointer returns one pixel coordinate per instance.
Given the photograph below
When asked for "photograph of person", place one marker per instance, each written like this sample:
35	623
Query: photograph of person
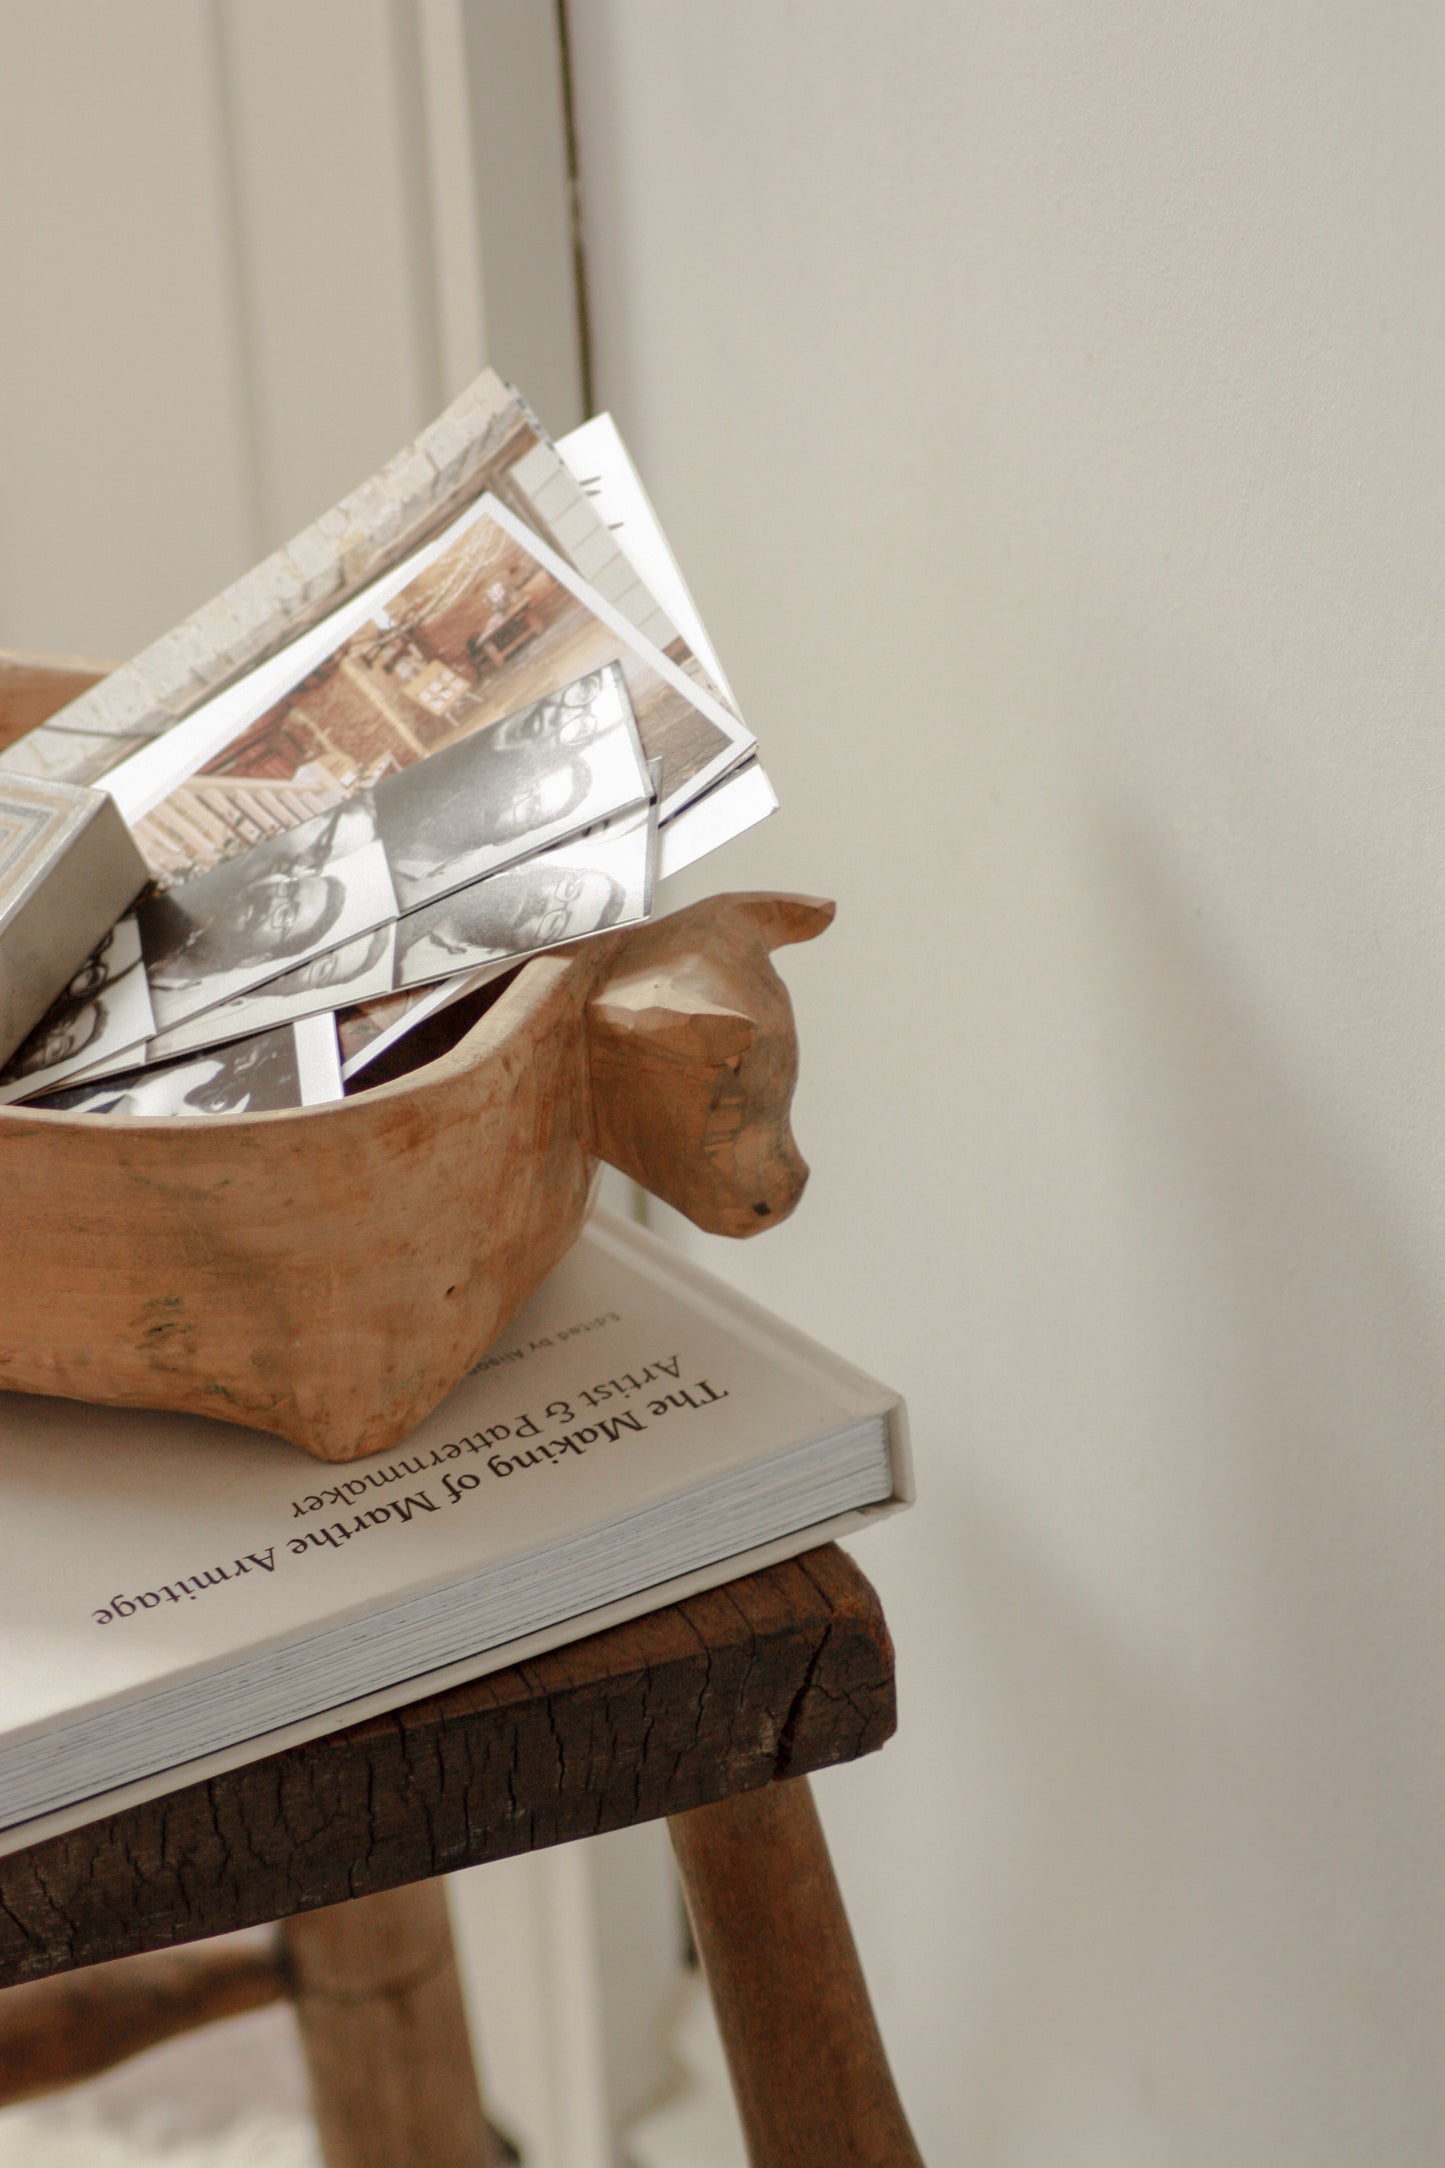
289	898
341	970
574	889
63	1035
249	1076
451	820
493	798
483	624
104	1011
572	717
354	972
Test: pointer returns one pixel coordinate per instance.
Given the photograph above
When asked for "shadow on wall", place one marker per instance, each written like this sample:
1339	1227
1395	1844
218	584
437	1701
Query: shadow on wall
1234	1807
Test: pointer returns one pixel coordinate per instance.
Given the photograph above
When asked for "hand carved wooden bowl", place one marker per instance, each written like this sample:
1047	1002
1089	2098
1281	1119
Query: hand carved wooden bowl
330	1273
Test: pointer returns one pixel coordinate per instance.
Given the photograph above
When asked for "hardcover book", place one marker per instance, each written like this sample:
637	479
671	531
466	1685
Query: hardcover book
180	1596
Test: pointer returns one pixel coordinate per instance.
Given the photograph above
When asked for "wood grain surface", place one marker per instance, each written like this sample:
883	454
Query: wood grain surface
384	2032
775	1674
33	687
56	2032
329	1274
694	1061
808	2068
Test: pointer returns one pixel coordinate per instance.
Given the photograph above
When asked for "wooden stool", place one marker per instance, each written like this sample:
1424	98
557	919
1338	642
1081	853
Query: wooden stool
710	1712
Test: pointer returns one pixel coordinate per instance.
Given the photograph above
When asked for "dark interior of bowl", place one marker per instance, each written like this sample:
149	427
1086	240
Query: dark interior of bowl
430	1040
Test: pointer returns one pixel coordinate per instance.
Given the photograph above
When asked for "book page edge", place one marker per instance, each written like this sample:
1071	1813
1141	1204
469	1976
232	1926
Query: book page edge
20	1836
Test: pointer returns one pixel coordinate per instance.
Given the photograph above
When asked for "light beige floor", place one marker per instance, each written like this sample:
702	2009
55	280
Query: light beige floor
234	2096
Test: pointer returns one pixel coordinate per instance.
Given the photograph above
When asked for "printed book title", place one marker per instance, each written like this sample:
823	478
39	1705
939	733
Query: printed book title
601	1414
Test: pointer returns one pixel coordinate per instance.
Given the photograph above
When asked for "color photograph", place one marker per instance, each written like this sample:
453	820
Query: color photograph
491	624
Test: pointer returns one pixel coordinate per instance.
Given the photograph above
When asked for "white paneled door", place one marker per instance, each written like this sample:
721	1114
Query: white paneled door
244	255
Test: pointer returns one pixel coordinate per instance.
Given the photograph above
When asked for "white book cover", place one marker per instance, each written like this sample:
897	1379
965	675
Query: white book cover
179	1596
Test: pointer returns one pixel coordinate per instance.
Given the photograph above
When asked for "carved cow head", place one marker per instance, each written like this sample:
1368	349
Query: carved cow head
694	1058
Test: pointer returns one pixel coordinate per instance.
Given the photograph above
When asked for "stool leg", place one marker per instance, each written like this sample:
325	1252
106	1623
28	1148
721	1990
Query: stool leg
808	2067
384	2031
60	2031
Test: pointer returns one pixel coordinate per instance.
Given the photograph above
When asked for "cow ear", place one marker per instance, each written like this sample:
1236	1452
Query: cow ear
659	1010
782	919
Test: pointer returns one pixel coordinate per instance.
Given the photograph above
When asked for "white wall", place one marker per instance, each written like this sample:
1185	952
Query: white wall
1045	402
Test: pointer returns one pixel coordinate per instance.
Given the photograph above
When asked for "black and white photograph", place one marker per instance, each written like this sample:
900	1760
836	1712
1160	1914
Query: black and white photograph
566	761
572	717
294	1065
602	880
355	972
321	897
568	766
584	886
104	1012
286	900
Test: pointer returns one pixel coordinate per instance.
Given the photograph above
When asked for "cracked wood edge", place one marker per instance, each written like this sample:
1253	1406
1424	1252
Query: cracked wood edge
772	1675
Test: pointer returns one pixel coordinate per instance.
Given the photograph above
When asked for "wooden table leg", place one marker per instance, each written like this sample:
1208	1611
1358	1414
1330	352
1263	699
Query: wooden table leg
812	2081
379	2004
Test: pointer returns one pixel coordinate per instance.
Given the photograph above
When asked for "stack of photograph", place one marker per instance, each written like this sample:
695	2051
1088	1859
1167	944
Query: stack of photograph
497	745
